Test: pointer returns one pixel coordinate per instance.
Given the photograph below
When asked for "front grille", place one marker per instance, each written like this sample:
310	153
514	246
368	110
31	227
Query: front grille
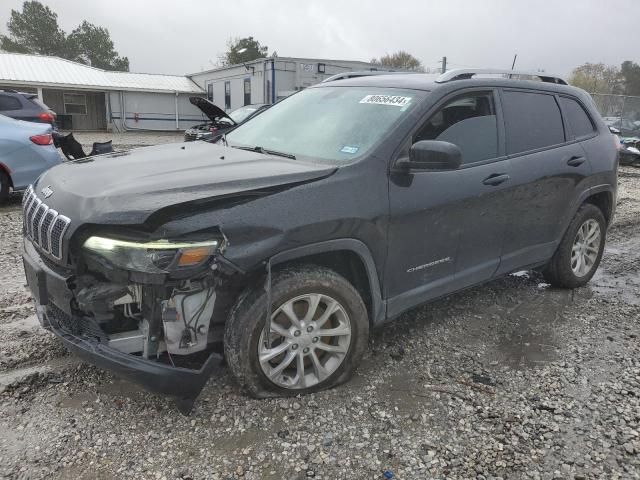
43	225
75	325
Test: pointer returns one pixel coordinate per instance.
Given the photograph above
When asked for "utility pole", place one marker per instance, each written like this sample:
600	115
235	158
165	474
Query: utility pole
514	61
444	64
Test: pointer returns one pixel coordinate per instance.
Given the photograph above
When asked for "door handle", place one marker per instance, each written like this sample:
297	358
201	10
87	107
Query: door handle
575	161
496	179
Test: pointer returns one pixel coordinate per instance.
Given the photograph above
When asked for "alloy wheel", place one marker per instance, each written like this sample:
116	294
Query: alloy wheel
309	339
586	247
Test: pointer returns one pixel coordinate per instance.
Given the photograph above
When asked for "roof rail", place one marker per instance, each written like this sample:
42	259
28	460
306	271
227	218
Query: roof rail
359	73
467	73
8	90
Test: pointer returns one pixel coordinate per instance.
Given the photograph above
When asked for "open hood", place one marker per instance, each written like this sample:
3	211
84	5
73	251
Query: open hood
212	111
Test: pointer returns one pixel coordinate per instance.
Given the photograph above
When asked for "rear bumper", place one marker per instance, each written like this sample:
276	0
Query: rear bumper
53	305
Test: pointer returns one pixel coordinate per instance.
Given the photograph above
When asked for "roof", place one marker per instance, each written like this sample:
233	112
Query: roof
427	82
42	70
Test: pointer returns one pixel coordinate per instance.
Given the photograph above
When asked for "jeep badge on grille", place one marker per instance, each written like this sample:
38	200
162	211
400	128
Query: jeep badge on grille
46	191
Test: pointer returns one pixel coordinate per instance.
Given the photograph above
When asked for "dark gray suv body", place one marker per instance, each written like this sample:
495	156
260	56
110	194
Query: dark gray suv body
335	210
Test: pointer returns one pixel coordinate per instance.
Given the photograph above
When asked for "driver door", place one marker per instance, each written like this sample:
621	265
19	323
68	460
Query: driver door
446	227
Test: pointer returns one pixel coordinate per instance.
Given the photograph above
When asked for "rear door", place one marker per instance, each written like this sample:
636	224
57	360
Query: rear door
446	227
547	167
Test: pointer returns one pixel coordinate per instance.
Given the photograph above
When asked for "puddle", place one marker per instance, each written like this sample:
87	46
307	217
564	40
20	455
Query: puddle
619	274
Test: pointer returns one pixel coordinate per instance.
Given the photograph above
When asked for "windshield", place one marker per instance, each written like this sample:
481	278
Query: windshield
328	123
240	114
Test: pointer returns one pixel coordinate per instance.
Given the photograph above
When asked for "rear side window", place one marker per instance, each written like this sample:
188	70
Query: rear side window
578	120
8	102
532	120
469	122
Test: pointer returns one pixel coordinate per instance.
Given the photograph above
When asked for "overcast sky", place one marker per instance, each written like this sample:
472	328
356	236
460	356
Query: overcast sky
185	36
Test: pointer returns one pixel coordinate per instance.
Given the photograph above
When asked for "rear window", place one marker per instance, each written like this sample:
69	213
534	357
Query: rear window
39	103
579	122
8	102
532	121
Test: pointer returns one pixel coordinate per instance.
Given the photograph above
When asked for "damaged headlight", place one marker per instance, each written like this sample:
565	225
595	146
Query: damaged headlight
160	256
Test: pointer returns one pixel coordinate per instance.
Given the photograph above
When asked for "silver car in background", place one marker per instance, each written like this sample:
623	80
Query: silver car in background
26	150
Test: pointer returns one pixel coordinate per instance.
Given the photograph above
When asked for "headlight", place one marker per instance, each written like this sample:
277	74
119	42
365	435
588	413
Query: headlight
161	256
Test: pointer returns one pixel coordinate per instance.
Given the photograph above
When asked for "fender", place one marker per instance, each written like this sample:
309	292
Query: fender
605	187
378	305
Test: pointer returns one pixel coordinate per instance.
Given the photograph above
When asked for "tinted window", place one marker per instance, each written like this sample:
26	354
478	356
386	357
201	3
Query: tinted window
579	123
9	103
532	120
468	122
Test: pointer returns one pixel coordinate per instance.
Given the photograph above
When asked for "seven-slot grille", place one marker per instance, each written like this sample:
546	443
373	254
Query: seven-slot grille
43	225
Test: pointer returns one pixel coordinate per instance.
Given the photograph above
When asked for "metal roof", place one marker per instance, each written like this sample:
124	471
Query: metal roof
47	71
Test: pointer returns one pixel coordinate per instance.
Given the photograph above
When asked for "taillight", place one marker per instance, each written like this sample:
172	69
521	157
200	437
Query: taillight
45	139
47	117
213	129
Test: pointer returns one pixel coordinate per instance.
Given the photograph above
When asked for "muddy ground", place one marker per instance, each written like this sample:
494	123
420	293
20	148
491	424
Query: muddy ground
511	380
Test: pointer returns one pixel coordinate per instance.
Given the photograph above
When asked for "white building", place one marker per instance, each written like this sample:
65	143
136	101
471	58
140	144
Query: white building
87	98
266	79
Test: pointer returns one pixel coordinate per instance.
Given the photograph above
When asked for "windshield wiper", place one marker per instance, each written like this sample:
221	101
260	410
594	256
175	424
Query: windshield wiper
264	151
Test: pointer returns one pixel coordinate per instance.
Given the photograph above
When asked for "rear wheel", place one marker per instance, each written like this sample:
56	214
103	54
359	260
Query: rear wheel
580	251
318	333
5	185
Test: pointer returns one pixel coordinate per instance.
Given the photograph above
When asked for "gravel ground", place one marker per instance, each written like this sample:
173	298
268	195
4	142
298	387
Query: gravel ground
511	380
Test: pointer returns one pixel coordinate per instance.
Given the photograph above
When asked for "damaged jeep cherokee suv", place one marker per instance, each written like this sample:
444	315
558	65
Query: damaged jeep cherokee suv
340	207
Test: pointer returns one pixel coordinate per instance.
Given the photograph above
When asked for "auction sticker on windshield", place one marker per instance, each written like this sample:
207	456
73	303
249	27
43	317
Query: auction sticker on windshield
395	100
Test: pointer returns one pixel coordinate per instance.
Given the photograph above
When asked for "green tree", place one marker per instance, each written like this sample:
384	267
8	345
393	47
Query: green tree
400	60
597	78
630	73
35	30
241	50
93	45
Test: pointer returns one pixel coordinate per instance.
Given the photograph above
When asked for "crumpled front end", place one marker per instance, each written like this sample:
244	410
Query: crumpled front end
143	309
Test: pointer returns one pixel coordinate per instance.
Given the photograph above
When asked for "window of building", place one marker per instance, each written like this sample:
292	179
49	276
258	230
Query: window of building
247	91
532	121
8	102
468	122
210	92
75	103
227	95
578	120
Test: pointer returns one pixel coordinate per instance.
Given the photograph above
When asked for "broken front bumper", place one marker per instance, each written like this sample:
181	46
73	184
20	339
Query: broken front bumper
53	297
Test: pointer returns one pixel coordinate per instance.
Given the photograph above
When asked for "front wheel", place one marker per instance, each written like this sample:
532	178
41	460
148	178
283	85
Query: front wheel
318	333
580	250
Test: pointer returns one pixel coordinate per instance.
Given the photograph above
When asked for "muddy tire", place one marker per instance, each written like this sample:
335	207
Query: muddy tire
580	251
319	331
5	185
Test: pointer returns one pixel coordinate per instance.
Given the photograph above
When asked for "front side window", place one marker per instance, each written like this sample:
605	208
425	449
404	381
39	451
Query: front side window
75	104
7	102
336	124
532	121
469	122
578	120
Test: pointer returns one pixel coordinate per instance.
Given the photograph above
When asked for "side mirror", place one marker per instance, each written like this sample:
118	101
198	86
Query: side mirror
434	155
614	130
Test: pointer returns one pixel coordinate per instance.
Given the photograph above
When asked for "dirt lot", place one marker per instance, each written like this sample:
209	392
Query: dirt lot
510	380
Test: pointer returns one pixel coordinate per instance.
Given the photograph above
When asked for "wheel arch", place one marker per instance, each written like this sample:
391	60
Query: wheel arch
350	258
603	197
4	169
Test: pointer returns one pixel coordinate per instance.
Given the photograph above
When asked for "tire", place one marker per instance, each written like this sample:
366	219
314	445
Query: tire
298	288
564	271
5	185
